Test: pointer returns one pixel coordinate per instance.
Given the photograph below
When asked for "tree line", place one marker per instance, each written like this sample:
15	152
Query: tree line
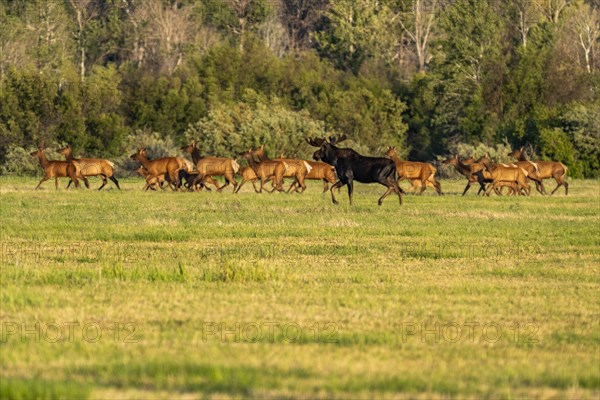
430	77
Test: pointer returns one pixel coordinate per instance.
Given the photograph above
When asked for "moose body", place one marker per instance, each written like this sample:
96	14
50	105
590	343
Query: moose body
351	166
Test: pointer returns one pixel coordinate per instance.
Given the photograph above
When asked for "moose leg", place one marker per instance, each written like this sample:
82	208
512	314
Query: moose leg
350	189
338	185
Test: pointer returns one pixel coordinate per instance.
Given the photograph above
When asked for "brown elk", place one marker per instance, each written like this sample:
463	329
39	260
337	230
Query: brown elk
92	167
320	171
167	166
58	169
248	175
511	174
297	169
213	166
471	172
544	170
265	170
421	172
152	182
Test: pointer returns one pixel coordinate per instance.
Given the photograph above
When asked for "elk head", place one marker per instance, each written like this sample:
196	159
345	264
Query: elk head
140	154
190	147
66	151
451	160
391	152
517	153
39	151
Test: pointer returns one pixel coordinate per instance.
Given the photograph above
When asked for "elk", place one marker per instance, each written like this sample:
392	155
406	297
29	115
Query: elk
213	166
506	173
58	169
544	170
298	169
248	175
152	182
421	172
265	170
320	171
167	166
471	172
92	167
350	166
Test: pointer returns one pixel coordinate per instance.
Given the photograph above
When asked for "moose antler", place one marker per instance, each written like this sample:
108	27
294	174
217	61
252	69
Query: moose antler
335	140
315	142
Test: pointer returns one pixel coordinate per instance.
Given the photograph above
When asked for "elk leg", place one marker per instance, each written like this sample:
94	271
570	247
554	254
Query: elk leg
85	181
338	185
560	182
224	186
467	188
44	179
115	181
424	179
438	187
104	182
292	185
69	184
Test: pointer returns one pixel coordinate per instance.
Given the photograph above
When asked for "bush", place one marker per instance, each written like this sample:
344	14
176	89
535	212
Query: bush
229	130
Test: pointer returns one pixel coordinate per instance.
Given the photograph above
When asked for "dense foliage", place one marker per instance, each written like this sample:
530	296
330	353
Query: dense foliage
424	75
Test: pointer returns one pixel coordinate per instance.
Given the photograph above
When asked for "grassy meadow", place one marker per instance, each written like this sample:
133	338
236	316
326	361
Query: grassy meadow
135	294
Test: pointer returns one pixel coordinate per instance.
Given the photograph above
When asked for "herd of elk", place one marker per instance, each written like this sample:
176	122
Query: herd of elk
333	165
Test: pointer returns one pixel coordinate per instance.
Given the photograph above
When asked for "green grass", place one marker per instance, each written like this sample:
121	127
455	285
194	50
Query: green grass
350	283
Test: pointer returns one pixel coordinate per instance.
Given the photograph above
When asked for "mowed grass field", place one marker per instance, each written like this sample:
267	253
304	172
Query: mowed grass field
135	294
